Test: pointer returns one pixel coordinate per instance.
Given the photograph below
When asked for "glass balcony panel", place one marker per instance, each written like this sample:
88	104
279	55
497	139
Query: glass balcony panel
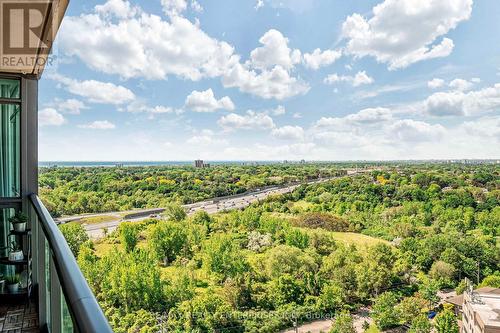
66	320
10	89
5	242
9	150
47	284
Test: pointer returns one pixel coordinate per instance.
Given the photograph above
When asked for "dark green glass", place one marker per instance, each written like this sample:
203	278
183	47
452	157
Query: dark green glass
10	89
9	150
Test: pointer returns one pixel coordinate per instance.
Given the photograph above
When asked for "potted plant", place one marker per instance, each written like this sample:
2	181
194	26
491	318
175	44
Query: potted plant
19	222
12	283
17	253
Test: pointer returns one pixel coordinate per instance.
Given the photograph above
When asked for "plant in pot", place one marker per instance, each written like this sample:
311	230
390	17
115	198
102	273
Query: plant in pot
19	222
12	283
16	253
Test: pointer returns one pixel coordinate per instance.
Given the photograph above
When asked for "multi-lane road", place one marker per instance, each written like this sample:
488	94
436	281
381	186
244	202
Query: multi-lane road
96	230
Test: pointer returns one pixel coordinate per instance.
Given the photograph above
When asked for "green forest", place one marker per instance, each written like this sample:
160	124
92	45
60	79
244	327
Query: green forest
388	240
76	190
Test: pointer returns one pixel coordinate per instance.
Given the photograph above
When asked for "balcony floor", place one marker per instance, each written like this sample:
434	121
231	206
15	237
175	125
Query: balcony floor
19	318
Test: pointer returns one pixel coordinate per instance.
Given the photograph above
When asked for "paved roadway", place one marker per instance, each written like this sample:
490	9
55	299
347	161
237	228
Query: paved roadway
211	206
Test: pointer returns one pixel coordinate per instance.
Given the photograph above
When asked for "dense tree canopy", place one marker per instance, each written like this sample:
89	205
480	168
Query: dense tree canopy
387	239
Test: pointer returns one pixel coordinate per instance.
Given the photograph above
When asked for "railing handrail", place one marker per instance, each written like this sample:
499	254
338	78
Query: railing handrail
86	313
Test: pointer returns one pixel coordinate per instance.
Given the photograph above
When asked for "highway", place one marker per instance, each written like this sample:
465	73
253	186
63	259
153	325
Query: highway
96	230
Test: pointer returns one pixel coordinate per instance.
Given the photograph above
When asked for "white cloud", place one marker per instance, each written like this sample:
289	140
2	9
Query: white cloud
402	32
369	116
356	80
461	84
259	4
50	117
274	52
174	7
275	83
413	131
99	125
141	45
140	106
96	91
162	109
144	45
206	137
68	106
205	101
445	104
195	5
486	127
293	151
435	83
278	111
118	8
251	120
458	103
320	58
288	133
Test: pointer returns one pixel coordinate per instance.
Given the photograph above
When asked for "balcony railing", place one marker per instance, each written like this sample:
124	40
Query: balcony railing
66	303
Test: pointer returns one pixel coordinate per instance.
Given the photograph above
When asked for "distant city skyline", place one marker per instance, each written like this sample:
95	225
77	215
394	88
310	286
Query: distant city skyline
179	80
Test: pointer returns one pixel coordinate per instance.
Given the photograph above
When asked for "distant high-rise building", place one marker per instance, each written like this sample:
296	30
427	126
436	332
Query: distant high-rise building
201	164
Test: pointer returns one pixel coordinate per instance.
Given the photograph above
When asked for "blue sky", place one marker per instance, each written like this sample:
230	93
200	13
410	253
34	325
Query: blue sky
273	80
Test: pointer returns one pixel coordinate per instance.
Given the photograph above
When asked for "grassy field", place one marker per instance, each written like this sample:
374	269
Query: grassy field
97	219
360	240
348	238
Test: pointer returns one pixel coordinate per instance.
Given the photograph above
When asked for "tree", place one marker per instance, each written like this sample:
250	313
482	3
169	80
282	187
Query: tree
411	307
420	324
132	280
443	273
221	255
129	235
446	322
332	297
491	281
285	290
204	313
343	323
384	311
428	289
174	212
326	221
75	236
375	271
166	240
202	218
296	237
284	259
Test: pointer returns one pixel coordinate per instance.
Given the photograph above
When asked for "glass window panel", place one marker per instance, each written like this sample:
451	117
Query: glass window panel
9	150
10	89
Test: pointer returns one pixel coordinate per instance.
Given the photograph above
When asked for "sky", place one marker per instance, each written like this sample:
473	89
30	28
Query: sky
323	80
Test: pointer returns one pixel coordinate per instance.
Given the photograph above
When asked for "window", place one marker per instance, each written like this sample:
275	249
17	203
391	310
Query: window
10	118
10	151
10	89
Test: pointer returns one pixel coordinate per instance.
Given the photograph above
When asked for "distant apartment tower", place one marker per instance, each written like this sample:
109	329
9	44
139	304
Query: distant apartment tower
481	310
201	164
